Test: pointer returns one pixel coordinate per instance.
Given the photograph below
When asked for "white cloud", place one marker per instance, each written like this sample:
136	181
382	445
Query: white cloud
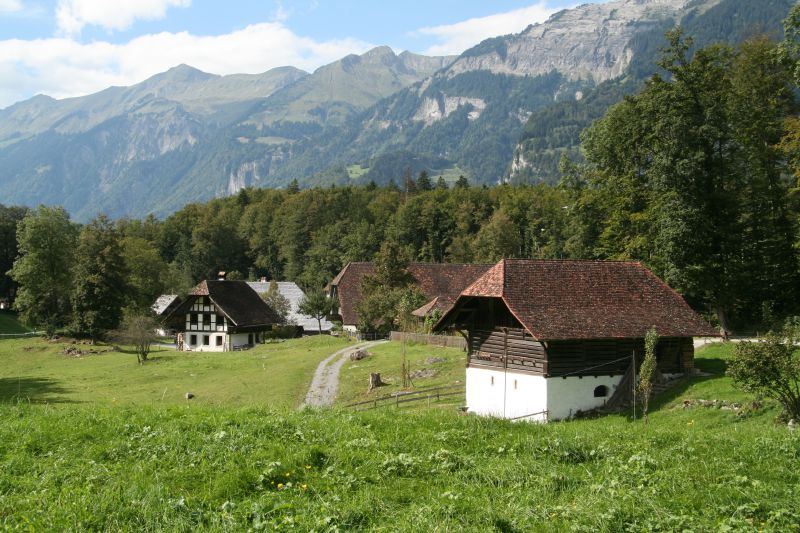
455	38
62	67
73	15
10	6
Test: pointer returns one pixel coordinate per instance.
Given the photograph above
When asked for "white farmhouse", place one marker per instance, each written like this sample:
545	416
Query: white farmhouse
220	316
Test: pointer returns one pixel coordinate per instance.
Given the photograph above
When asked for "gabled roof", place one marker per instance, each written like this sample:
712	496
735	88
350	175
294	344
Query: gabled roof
293	294
165	303
443	281
240	303
569	299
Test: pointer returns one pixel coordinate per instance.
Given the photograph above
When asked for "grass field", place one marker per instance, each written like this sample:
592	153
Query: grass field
386	359
37	371
187	467
9	323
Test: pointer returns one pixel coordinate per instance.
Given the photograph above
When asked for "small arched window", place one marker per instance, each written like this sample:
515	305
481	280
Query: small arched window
601	391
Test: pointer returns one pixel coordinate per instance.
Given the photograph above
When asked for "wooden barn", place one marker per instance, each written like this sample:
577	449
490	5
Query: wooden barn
220	316
441	283
549	338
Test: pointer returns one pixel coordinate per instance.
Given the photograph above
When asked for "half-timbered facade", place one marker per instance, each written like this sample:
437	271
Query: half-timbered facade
220	316
547	339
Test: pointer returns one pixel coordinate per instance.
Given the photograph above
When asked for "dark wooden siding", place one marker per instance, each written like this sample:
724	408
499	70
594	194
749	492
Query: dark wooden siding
503	347
597	357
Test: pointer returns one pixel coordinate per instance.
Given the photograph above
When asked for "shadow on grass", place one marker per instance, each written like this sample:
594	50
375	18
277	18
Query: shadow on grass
667	397
33	390
714	365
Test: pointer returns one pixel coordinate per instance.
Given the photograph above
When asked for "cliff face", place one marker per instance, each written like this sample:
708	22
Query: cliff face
588	42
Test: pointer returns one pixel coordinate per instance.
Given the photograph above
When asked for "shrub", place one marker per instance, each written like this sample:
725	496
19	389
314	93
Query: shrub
771	368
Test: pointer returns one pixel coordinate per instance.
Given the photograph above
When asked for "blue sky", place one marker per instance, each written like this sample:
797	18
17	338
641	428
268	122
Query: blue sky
72	47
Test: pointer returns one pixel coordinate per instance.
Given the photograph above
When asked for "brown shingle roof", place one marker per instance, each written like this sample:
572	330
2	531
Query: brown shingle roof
567	299
443	281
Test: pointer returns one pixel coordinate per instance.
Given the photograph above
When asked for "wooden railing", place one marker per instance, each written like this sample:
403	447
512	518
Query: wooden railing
398	398
20	335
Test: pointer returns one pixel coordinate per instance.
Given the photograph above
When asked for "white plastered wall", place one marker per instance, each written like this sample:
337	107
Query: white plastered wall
199	346
565	396
505	394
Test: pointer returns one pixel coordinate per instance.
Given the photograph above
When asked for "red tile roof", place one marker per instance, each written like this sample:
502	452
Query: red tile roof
568	299
443	281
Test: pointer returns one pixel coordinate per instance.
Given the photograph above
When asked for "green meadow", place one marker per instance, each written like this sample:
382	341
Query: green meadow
275	375
237	460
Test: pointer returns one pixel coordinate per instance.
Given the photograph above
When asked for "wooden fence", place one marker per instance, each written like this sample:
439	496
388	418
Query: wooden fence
21	335
431	394
448	341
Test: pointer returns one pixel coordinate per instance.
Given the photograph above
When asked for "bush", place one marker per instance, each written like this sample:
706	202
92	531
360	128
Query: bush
771	368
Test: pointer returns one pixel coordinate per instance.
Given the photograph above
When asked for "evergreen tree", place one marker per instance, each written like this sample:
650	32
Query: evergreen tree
9	220
293	187
101	277
441	184
462	182
424	182
46	240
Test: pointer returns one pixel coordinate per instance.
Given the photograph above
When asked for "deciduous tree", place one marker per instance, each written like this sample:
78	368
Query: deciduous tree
46	240
101	278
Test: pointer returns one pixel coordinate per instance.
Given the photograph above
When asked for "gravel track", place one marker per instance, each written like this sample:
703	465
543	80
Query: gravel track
325	384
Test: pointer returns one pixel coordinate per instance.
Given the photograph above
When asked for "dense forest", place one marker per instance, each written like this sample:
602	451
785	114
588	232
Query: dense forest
696	176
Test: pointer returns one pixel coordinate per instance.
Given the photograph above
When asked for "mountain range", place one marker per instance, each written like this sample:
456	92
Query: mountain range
504	110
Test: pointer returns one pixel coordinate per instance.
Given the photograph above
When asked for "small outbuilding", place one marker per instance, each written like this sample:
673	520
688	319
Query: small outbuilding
294	295
550	338
221	315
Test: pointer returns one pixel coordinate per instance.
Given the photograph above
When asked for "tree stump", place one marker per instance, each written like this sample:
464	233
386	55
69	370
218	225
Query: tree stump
375	381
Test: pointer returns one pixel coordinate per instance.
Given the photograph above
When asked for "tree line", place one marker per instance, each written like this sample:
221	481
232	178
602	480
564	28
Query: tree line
696	176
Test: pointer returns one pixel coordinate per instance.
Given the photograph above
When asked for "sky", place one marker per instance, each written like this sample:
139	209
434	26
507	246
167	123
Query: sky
65	48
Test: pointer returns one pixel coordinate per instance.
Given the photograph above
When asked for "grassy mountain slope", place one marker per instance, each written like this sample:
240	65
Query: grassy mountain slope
183	135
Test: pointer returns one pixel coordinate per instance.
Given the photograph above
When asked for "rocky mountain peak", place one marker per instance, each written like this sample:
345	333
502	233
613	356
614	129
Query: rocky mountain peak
587	42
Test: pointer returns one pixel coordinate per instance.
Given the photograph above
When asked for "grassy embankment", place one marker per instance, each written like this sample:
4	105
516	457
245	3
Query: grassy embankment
9	323
185	467
277	375
431	366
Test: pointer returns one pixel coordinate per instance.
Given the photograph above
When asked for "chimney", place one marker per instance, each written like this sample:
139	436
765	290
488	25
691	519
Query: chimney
221	275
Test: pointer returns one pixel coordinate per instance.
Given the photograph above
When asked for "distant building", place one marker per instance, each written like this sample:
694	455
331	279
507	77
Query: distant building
294	295
549	338
220	316
163	308
441	283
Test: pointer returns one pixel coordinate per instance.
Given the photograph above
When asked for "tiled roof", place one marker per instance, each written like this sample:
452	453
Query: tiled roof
294	294
237	300
569	299
443	281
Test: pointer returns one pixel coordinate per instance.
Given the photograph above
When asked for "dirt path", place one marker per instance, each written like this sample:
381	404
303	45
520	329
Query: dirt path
325	384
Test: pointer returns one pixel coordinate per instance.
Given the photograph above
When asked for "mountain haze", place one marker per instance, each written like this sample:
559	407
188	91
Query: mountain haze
503	110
